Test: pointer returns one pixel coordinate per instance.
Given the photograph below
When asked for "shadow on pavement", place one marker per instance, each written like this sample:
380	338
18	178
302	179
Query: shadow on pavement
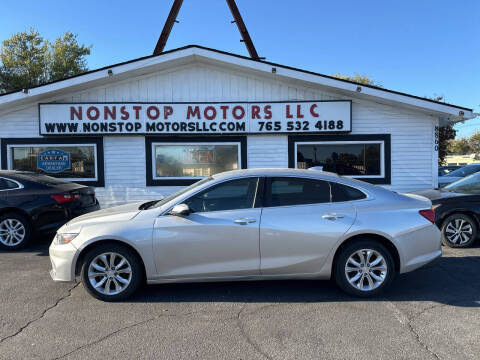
38	246
450	280
453	279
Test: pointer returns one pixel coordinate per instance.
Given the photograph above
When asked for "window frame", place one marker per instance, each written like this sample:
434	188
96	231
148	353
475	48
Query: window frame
19	185
365	194
267	186
257	196
150	142
96	142
267	193
258	201
385	152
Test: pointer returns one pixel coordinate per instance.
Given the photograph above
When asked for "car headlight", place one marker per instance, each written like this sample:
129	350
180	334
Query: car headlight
65	238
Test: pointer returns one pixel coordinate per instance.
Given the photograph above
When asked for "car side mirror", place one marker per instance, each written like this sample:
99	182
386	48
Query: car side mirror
180	210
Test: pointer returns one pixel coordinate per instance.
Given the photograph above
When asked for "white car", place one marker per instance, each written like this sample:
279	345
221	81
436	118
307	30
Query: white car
251	225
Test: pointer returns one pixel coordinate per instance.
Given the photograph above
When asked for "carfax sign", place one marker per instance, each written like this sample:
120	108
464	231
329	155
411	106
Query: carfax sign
196	118
53	161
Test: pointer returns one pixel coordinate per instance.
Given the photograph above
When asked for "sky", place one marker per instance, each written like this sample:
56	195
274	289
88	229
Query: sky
421	47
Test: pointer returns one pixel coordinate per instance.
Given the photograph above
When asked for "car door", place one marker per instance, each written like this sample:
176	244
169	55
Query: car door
300	225
219	238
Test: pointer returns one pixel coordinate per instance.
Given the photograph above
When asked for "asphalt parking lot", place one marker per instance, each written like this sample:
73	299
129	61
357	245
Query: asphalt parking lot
433	313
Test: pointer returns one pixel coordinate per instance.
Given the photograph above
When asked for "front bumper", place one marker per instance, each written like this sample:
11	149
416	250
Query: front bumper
62	258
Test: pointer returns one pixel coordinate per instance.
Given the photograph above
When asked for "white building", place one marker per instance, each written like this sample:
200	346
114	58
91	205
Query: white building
145	128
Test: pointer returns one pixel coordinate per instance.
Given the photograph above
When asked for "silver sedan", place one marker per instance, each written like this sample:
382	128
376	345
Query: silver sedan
259	224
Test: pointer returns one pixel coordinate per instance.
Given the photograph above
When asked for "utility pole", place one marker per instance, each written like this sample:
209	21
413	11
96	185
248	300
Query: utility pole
167	28
172	19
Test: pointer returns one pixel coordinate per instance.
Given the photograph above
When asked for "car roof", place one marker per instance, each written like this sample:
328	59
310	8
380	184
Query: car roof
276	172
14	173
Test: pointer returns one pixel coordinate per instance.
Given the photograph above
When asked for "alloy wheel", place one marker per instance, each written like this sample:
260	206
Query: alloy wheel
12	232
458	231
110	273
366	269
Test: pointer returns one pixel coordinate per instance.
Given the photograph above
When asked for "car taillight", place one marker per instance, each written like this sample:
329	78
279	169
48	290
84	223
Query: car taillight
428	214
63	198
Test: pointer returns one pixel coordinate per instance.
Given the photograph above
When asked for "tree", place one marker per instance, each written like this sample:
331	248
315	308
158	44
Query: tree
474	143
67	57
458	147
361	79
24	59
445	135
27	60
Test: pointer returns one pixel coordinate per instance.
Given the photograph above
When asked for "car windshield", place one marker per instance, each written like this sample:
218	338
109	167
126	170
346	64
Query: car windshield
463	171
178	193
467	185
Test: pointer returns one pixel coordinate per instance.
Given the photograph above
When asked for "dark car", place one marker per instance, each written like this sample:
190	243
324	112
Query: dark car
444	170
458	174
457	210
31	202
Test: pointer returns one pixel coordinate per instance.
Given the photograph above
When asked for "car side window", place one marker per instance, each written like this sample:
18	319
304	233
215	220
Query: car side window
6	184
230	195
342	192
285	191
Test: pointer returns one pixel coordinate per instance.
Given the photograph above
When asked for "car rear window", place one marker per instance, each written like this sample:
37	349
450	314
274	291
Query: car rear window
342	192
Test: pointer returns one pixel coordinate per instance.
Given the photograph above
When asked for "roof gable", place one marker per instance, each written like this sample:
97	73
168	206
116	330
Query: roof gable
191	53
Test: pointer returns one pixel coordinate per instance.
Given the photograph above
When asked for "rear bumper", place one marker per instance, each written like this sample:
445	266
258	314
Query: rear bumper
63	215
419	247
420	261
62	259
84	210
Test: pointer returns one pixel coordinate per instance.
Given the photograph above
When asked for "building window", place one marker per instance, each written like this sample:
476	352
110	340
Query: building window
359	159
365	157
194	160
185	161
76	160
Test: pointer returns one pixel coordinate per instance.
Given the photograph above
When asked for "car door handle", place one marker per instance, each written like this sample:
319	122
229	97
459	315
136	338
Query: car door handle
244	221
332	216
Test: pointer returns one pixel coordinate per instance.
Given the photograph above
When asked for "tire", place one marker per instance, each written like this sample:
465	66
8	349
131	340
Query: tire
348	283
455	222
117	290
15	231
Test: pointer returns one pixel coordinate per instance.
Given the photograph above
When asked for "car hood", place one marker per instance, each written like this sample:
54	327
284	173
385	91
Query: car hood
437	194
116	213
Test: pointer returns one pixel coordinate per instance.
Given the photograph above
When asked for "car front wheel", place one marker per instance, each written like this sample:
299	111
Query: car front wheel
364	268
458	231
111	272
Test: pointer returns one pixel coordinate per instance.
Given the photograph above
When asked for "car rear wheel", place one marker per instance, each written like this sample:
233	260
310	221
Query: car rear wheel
111	272
458	231
364	268
15	231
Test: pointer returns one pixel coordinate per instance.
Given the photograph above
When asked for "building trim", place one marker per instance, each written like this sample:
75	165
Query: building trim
197	50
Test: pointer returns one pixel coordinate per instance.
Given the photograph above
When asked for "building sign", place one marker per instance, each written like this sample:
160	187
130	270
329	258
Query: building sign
195	118
53	161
